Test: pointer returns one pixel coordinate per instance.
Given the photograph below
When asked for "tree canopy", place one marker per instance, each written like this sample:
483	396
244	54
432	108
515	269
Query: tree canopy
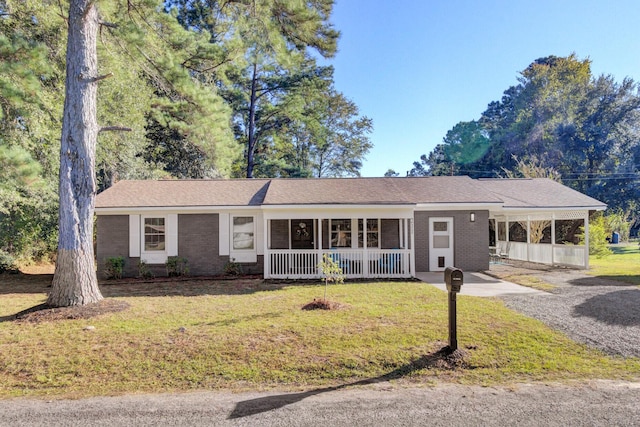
205	89
559	121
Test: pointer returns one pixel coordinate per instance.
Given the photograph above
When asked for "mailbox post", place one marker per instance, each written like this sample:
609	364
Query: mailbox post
453	278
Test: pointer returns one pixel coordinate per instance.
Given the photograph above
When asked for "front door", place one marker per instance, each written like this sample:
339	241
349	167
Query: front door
440	243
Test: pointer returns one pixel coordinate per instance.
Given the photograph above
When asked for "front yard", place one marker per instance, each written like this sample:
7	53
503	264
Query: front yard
205	334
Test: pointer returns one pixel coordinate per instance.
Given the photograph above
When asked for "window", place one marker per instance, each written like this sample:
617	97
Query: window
372	233
340	233
154	234
243	233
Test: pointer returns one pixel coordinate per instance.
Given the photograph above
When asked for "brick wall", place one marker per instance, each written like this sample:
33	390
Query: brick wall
198	243
471	239
113	241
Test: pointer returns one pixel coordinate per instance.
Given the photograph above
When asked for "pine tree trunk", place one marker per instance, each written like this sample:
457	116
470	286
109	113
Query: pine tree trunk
75	281
253	101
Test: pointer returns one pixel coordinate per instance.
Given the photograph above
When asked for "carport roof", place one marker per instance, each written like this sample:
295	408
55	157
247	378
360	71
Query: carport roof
528	193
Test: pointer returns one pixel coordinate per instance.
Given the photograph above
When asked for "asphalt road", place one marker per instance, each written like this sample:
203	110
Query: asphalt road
591	404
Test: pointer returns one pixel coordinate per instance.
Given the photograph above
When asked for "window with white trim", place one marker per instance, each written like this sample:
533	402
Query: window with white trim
243	243
243	233
154	234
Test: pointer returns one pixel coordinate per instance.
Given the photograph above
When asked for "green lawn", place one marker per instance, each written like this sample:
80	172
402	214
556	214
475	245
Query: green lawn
248	336
623	264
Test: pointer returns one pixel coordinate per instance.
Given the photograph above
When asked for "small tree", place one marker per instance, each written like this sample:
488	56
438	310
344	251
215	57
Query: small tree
331	272
598	245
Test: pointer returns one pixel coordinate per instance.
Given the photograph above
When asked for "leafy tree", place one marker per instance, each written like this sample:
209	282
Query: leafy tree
27	206
559	121
532	168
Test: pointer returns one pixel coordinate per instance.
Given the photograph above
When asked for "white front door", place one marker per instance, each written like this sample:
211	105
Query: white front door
440	243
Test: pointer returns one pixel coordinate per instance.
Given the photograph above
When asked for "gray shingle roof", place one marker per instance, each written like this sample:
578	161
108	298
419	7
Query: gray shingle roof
161	193
538	193
342	191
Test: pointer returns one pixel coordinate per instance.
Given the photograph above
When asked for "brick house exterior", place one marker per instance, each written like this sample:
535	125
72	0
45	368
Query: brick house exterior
375	227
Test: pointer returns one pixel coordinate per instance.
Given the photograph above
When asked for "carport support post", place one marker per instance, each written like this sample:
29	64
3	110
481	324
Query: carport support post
453	322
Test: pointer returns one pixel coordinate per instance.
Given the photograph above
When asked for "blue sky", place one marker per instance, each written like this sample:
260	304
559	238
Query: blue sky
418	67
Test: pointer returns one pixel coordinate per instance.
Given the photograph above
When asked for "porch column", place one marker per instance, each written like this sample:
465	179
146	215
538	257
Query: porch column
365	247
586	240
319	239
413	248
267	250
528	237
553	239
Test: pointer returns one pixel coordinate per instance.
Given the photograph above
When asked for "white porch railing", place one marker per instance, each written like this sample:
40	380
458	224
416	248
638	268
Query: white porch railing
570	255
372	263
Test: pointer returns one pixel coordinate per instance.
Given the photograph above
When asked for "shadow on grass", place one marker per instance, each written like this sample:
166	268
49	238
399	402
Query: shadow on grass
606	281
613	308
22	283
442	359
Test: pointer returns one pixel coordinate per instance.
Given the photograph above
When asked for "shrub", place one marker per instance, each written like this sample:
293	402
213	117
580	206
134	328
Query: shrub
7	263
144	271
114	267
598	244
177	266
232	268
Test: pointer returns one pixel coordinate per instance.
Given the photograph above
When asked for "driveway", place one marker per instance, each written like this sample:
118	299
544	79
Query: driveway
599	312
479	285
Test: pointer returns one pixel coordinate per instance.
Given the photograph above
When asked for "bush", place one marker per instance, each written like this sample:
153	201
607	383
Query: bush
7	263
144	271
177	266
114	267
232	268
598	233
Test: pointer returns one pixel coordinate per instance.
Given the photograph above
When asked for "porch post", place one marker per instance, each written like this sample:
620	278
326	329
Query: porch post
319	240
528	236
412	255
553	239
586	240
365	247
267	252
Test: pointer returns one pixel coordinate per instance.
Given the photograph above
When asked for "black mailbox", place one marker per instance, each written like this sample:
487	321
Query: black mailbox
453	278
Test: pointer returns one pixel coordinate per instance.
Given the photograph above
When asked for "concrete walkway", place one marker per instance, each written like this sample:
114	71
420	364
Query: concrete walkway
479	285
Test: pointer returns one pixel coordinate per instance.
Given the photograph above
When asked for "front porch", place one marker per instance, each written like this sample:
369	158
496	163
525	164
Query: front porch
367	244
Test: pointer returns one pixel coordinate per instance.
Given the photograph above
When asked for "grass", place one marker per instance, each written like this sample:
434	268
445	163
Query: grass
196	335
623	264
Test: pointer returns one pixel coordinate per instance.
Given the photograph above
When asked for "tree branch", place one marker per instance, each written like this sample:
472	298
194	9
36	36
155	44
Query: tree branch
98	78
114	129
107	24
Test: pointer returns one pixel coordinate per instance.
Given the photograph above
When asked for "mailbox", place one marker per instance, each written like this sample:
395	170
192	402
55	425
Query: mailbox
453	278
